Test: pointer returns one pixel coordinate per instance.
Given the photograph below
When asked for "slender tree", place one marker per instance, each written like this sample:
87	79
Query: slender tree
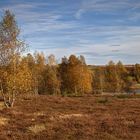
111	78
122	76
137	72
52	80
51	60
98	80
40	68
11	48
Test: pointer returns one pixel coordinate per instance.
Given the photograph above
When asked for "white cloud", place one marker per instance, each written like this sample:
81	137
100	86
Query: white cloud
47	32
105	6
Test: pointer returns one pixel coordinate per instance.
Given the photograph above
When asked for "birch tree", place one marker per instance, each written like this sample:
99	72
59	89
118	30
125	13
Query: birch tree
11	47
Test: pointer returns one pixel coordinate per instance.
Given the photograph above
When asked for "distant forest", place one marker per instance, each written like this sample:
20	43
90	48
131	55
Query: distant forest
36	74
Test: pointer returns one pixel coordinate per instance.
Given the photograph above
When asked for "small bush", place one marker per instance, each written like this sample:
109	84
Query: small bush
123	96
67	94
102	100
137	95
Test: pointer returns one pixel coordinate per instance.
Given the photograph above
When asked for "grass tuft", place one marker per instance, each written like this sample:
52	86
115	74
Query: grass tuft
37	128
102	100
3	121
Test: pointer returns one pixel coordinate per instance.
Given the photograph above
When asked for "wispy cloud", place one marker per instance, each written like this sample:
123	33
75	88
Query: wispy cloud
110	6
99	29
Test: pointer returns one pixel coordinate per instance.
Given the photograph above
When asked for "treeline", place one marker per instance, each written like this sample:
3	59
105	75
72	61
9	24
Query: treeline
36	74
115	77
72	76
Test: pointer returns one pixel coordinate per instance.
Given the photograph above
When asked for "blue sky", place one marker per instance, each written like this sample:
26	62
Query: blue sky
101	30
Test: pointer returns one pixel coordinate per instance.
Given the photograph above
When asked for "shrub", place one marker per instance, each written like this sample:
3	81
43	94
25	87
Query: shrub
123	96
102	100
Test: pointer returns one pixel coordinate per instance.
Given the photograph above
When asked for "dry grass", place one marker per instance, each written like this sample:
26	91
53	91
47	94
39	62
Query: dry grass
67	116
2	105
3	121
37	128
72	118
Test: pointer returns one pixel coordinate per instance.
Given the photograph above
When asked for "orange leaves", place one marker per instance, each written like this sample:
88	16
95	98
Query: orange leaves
21	80
76	77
